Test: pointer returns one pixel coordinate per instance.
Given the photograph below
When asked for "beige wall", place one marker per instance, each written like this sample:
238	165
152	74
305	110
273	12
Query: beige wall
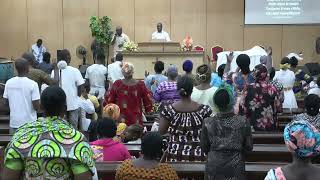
64	24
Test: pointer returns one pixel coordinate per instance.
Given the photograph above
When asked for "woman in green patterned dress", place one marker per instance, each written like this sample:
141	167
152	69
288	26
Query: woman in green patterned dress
49	148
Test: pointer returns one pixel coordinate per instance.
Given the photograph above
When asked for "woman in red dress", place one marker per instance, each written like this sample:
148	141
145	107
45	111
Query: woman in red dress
130	95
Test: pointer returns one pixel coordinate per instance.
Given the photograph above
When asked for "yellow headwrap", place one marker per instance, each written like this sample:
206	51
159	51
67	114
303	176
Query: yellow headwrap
285	66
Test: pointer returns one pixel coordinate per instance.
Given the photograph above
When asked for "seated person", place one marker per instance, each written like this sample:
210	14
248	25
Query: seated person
106	149
113	111
303	141
147	166
133	134
312	114
40	145
315	90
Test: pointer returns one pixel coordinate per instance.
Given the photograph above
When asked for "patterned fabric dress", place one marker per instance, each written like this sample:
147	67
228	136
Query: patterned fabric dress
130	99
162	172
223	138
166	92
185	130
49	149
314	120
258	101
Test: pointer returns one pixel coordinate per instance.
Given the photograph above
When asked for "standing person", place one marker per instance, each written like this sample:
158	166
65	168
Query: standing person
242	78
217	78
49	148
115	70
303	141
38	49
22	95
46	66
312	114
96	74
167	91
183	120
152	81
258	99
225	137
160	34
203	93
302	79
130	95
187	67
316	52
147	166
118	40
37	75
71	81
287	78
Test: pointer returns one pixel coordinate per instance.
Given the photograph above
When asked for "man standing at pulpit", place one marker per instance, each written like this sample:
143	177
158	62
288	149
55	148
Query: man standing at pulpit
160	34
118	41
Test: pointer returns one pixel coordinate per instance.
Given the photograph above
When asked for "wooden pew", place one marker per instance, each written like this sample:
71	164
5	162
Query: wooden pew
190	170
254	170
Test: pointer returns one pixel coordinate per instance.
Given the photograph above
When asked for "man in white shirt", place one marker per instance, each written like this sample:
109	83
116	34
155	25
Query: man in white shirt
71	81
96	74
38	49
118	41
160	34
22	95
114	69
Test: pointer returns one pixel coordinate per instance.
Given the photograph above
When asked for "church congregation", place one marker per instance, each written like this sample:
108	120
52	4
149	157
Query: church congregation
231	115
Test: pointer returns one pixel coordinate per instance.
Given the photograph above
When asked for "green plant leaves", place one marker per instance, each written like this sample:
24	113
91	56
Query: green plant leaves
101	29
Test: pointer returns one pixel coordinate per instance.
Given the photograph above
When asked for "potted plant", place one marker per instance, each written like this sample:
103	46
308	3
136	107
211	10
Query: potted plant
101	31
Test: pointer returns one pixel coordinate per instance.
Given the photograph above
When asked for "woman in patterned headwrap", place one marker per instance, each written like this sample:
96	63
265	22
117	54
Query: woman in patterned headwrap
49	148
113	111
258	101
130	95
224	137
303	141
287	78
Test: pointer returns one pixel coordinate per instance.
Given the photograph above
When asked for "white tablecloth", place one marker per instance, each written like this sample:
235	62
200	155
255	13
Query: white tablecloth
254	53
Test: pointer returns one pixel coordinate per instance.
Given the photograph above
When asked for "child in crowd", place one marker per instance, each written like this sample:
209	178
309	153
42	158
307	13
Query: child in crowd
107	149
113	111
133	134
88	106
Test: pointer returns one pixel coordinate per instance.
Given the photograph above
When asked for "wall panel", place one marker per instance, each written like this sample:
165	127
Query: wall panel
147	14
13	31
300	39
265	36
45	21
76	16
188	17
225	24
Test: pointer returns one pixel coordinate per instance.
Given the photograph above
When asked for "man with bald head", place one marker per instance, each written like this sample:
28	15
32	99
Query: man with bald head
22	95
160	34
118	41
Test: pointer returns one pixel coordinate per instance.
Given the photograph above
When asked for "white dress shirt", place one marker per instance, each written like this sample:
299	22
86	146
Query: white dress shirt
38	52
120	40
115	71
96	74
71	78
161	36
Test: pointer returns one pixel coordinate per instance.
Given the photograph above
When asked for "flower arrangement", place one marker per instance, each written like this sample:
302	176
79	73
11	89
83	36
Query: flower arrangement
187	44
130	46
